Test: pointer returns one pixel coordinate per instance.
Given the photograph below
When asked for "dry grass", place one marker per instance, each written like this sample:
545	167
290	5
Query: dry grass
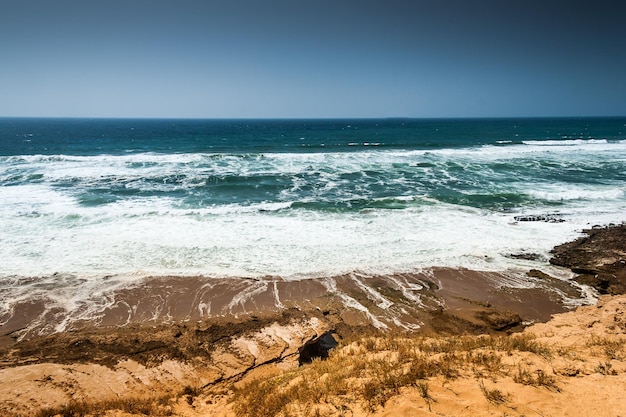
605	368
538	378
494	396
424	390
366	373
611	348
150	407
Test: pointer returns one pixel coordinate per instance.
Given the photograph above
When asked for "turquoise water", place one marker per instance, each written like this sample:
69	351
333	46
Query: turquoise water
299	198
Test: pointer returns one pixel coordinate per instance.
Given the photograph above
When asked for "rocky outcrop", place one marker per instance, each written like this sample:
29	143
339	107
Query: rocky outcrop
598	259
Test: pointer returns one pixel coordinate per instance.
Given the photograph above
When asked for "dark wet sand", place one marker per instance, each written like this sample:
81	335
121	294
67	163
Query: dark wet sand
440	299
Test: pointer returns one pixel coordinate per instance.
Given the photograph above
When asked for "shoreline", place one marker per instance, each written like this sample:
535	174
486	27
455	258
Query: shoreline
409	301
159	338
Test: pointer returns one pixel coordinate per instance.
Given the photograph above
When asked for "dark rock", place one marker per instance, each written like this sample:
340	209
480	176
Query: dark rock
599	258
535	273
319	348
602	285
500	320
527	256
549	218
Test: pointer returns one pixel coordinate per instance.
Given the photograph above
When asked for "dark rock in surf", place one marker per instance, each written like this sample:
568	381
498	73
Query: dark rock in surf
535	273
548	218
527	256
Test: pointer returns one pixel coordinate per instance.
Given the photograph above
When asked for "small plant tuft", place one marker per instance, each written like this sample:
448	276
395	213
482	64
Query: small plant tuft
611	348
424	390
538	378
605	368
494	396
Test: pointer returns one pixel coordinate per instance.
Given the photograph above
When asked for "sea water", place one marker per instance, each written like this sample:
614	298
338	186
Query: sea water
83	199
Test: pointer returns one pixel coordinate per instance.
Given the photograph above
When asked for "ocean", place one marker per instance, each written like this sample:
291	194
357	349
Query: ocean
297	199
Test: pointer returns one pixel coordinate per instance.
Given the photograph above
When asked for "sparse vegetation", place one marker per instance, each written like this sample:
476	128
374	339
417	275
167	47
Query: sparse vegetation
149	406
189	393
494	396
424	390
606	368
538	378
612	348
364	374
368	372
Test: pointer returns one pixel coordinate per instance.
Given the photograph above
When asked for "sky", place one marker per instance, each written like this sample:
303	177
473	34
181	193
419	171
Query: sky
312	59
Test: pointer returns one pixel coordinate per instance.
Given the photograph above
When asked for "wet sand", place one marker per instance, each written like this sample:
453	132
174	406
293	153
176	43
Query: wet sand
434	299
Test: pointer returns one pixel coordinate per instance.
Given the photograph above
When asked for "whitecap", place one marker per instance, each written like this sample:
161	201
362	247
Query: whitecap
565	142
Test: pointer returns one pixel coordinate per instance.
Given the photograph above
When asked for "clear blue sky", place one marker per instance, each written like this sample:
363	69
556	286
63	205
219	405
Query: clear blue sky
318	58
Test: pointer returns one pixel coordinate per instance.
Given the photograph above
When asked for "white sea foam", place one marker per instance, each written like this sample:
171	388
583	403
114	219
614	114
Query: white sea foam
565	142
294	244
45	229
142	167
560	192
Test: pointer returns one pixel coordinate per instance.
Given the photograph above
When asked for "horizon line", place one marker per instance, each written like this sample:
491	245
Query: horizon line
312	118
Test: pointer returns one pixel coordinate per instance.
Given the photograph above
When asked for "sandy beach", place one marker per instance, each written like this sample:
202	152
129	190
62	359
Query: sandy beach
409	301
206	337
